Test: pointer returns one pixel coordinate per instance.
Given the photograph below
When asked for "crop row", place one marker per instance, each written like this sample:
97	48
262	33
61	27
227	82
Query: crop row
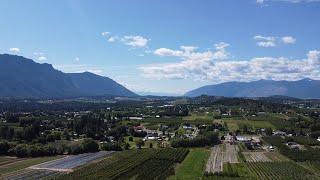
175	155
144	164
279	170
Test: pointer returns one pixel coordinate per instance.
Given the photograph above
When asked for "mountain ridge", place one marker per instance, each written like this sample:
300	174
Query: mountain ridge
305	88
22	77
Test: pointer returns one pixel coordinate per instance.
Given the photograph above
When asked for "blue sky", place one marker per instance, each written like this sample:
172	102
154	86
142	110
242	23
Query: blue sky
168	46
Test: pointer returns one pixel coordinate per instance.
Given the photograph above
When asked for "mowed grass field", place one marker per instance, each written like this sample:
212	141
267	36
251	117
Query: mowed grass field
233	125
198	116
192	167
21	164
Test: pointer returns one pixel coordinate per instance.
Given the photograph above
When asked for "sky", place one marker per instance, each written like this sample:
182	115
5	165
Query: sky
168	46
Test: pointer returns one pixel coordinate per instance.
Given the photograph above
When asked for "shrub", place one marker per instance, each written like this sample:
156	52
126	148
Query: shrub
111	146
4	147
89	145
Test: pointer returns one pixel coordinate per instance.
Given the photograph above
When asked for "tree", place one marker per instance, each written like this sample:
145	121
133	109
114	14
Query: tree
150	145
131	138
4	147
126	146
89	145
268	131
139	143
113	146
21	150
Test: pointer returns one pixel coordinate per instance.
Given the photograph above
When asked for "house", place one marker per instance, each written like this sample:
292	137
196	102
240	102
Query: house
135	118
270	148
187	127
140	128
279	133
242	139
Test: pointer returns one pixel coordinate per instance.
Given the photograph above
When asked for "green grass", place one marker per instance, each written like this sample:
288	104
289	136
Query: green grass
199	116
232	171
5	158
233	125
25	163
146	144
193	166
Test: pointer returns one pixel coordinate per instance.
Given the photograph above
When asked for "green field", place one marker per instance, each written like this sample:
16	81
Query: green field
199	116
193	165
233	125
5	158
280	170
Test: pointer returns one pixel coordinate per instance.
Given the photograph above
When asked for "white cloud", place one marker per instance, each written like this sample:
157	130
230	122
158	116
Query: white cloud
189	53
265	41
77	59
112	39
168	52
186	53
42	58
266	44
221	52
264	38
188	48
105	34
271	41
260	1
288	40
276	68
38	53
14	50
135	41
314	56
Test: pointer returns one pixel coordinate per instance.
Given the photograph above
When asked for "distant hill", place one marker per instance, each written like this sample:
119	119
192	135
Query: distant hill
23	78
305	88
158	94
95	85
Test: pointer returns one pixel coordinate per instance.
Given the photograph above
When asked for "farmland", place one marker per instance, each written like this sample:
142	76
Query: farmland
55	167
30	174
156	139
233	124
219	156
70	162
308	154
280	170
18	164
142	164
193	166
256	157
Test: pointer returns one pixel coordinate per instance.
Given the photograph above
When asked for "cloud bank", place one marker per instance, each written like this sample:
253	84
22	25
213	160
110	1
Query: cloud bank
205	66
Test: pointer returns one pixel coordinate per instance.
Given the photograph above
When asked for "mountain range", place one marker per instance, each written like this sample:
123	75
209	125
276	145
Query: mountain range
23	78
304	88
